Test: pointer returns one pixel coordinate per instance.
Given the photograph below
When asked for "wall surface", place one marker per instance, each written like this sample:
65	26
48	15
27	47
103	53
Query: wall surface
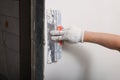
87	61
9	39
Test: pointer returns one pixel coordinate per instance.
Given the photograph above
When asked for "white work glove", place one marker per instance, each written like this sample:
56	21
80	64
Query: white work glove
72	35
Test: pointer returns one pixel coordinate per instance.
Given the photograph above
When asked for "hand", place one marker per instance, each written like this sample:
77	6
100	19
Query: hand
71	35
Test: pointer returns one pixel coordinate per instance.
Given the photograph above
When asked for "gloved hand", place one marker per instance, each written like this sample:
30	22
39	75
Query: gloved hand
72	35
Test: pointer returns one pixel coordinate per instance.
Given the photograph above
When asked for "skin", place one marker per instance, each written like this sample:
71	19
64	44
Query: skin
111	41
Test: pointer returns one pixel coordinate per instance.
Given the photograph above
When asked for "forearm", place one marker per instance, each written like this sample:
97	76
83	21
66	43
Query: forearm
108	40
74	35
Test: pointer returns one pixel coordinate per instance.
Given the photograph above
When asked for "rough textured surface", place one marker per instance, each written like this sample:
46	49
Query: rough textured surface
39	29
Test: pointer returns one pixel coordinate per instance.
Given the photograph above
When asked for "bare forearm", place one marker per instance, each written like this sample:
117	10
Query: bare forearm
108	40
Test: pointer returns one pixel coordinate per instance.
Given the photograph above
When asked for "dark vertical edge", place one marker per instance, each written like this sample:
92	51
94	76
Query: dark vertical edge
39	39
33	37
25	39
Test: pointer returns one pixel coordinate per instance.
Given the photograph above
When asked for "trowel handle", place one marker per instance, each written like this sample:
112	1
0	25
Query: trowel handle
59	28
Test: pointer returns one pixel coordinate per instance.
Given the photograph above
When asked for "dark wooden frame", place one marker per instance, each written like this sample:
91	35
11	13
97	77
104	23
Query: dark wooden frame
25	39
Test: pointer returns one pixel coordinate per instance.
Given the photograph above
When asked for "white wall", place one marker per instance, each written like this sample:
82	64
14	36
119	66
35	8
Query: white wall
87	61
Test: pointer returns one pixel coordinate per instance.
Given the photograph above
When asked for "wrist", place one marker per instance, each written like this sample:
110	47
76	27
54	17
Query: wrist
87	36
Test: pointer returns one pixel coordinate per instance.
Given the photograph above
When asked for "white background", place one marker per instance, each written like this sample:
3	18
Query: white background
87	61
